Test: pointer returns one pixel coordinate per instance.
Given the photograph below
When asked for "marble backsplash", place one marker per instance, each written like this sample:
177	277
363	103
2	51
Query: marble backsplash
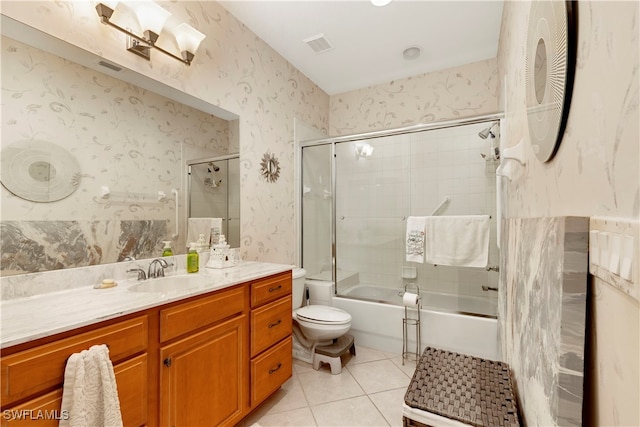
543	314
34	246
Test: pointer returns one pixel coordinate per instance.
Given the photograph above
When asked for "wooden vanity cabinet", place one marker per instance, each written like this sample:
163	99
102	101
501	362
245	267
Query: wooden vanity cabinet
203	378
32	378
207	360
271	343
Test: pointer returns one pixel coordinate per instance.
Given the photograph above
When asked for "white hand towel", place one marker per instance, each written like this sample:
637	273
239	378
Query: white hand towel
90	394
198	226
415	238
458	240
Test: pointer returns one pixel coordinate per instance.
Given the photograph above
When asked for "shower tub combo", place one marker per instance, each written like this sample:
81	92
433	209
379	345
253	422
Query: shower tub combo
356	195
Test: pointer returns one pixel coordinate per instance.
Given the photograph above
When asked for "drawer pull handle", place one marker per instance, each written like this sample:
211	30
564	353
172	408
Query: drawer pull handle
272	370
274	324
277	288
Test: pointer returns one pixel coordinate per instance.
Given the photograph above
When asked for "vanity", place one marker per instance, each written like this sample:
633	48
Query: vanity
204	352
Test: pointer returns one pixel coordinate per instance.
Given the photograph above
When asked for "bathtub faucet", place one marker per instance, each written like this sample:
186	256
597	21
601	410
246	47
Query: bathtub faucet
489	288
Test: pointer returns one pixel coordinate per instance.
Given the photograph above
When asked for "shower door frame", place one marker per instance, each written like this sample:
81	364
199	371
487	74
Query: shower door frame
364	136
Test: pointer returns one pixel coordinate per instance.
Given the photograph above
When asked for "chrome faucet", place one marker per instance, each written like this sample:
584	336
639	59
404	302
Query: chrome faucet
141	274
154	270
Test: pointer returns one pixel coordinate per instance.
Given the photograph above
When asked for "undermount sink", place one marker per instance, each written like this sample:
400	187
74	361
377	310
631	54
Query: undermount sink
170	284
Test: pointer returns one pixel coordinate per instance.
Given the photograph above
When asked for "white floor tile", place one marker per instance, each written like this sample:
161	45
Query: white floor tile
379	376
297	418
357	411
290	396
389	403
409	366
322	387
364	354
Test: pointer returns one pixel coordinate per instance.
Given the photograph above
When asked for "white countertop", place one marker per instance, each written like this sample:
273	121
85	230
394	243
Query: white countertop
29	318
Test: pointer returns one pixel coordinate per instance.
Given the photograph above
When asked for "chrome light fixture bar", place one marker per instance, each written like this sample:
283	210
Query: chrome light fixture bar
152	19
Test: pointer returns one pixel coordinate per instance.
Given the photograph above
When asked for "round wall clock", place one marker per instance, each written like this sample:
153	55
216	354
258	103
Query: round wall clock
550	68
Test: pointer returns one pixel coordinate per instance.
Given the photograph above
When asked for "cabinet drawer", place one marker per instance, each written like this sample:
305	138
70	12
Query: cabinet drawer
187	317
270	289
32	371
270	370
269	324
131	378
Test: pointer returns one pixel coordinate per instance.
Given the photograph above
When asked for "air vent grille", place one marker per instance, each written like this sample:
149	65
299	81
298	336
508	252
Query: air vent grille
318	43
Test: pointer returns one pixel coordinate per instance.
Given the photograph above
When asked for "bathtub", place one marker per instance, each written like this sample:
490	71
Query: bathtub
445	321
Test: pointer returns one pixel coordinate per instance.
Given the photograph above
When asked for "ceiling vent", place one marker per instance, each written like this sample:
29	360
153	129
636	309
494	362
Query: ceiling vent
318	43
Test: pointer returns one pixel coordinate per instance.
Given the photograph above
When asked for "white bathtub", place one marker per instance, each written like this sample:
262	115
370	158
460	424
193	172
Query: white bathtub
378	325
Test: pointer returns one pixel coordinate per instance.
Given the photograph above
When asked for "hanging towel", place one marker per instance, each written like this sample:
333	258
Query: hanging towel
415	238
90	394
458	240
198	226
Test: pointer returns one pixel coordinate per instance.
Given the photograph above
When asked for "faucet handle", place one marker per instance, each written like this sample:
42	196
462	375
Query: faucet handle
141	273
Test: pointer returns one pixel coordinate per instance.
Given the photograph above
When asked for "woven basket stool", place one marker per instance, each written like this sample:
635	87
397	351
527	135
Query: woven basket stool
454	389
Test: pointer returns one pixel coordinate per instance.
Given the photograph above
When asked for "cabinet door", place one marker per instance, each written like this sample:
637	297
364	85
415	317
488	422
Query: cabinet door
202	377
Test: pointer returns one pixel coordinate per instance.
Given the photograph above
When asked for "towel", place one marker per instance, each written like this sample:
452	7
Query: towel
458	240
415	238
90	394
198	226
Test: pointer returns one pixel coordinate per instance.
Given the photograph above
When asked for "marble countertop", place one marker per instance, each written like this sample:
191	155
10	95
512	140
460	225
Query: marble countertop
29	318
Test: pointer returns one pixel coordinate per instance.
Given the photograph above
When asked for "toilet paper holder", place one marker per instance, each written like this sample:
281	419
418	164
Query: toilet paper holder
412	304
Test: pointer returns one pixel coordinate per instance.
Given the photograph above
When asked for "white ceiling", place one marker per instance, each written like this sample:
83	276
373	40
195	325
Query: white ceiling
368	40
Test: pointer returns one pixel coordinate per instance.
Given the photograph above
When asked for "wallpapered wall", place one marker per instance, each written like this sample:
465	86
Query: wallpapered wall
595	172
121	136
233	69
465	91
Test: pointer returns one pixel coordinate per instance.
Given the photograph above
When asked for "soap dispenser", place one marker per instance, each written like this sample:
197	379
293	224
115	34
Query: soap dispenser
193	261
167	251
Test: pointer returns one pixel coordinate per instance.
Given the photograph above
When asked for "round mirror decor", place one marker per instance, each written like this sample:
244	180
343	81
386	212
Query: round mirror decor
270	167
39	171
550	63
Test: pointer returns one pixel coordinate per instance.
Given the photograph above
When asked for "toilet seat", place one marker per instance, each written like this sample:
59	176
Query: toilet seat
323	315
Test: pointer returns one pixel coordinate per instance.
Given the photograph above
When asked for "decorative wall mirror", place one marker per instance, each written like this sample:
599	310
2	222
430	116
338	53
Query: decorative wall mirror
270	167
550	67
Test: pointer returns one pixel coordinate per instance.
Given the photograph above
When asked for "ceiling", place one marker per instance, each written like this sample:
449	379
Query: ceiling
368	41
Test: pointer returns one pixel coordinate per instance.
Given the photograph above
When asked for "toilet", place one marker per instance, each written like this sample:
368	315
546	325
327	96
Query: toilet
315	325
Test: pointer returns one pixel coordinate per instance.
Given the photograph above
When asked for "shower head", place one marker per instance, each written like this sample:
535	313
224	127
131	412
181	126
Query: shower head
214	167
488	132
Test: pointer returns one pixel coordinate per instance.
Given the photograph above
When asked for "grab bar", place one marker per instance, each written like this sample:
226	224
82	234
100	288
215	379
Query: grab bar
442	203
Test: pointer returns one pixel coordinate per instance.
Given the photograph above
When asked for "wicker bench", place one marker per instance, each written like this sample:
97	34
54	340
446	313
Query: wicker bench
457	390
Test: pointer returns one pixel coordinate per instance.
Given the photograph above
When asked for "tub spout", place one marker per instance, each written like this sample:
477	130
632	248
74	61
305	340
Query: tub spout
489	288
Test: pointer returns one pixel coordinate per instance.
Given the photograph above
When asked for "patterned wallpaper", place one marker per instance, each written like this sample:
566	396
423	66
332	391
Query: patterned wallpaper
596	171
465	91
121	136
234	70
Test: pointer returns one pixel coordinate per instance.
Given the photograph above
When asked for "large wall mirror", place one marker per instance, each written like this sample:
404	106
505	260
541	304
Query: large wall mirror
94	157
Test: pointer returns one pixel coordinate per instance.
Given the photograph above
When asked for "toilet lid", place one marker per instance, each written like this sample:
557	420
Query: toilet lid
323	314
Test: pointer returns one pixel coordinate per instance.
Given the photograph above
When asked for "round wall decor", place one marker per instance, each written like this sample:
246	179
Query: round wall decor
270	167
549	72
39	171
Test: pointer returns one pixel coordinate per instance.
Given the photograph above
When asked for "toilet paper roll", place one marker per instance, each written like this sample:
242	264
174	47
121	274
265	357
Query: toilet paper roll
410	299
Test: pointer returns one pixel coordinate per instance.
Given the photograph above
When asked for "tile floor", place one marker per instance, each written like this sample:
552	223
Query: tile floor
368	392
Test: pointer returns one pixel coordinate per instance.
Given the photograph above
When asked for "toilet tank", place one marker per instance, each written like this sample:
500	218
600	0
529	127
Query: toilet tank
299	275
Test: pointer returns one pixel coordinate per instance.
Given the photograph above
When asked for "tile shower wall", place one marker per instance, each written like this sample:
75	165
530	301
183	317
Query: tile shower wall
410	175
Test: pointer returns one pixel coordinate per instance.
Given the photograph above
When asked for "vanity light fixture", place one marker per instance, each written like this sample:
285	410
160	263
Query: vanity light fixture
152	18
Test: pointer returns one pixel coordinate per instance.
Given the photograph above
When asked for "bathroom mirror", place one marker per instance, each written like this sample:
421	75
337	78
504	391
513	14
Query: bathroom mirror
549	67
71	128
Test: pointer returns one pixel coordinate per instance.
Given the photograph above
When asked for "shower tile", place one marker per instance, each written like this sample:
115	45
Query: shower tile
379	376
358	411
